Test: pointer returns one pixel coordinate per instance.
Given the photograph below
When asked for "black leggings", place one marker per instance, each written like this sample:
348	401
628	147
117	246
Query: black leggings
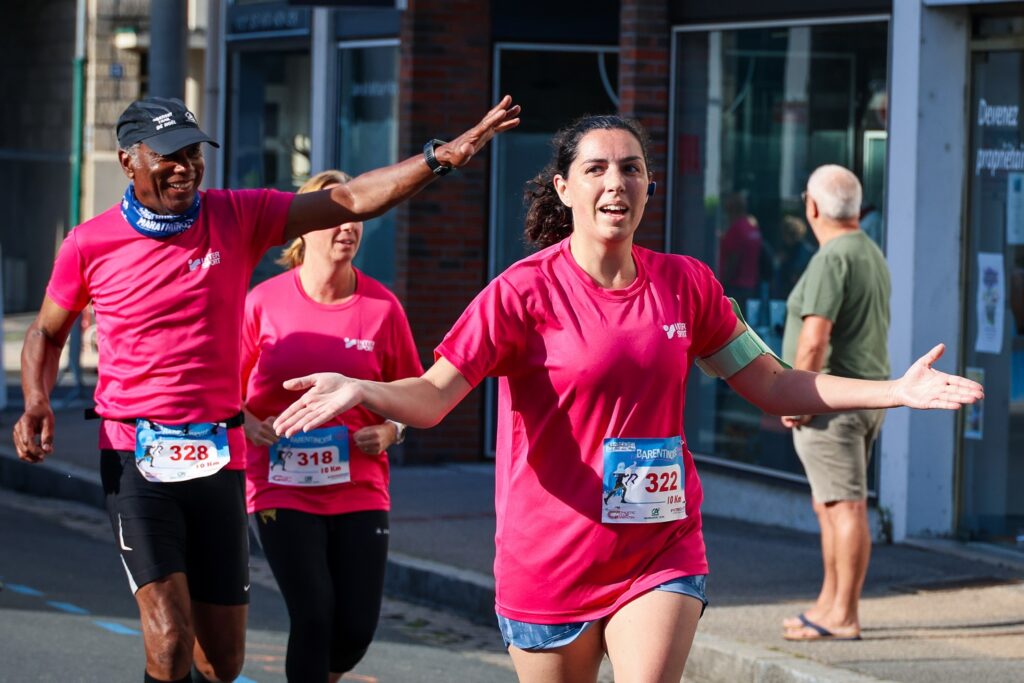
330	569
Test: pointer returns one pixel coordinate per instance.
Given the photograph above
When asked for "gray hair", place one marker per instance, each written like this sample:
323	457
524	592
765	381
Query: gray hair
133	152
837	192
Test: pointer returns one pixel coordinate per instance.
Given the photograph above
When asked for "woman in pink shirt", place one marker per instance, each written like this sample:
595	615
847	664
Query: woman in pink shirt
598	544
321	499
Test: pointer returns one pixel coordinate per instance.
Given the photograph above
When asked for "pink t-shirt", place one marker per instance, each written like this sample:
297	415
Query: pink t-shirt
742	242
578	364
169	312
287	334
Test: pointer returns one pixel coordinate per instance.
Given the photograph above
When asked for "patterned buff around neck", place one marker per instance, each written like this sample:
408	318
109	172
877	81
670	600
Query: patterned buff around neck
153	224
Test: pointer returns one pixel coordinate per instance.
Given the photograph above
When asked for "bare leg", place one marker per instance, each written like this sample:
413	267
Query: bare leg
577	662
166	616
852	555
851	551
220	640
649	639
827	594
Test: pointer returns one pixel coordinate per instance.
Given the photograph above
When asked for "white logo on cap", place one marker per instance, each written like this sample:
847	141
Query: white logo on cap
164	120
190	117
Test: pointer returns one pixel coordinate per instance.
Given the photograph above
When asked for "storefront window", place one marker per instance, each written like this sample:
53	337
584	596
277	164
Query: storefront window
269	126
368	138
992	466
756	110
269	132
555	84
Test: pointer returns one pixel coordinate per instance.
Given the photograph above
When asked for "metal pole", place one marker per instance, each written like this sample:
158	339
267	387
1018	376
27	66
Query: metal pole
168	48
75	191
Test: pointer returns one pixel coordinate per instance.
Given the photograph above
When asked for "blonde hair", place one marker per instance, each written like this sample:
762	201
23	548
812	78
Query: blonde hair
294	253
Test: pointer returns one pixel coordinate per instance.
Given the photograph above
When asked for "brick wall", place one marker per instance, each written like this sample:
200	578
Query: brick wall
441	235
644	52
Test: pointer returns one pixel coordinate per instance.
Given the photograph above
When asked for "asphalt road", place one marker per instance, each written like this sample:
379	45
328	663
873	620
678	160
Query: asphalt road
66	613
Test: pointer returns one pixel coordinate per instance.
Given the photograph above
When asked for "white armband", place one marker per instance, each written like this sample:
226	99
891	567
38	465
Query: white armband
737	354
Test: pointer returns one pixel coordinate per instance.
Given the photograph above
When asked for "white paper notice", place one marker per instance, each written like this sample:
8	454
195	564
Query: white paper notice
991	304
1015	208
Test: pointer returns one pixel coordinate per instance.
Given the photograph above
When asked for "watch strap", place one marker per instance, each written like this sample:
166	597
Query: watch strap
436	167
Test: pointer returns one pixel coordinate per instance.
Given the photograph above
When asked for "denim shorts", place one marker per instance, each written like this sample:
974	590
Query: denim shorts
527	636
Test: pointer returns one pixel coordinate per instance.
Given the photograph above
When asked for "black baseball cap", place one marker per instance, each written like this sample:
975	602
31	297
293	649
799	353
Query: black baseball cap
164	124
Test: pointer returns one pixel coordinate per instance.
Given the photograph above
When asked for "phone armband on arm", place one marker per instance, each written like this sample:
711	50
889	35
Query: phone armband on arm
737	354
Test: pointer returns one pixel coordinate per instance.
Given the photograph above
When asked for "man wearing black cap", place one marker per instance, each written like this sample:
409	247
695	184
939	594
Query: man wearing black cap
166	271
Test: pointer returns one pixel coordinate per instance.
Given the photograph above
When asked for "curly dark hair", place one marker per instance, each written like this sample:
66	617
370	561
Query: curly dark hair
548	220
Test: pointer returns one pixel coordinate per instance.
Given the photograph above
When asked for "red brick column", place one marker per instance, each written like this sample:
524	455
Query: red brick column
441	235
644	53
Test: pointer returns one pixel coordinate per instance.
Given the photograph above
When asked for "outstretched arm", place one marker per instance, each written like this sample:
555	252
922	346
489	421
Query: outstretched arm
40	360
778	391
416	401
811	349
374	192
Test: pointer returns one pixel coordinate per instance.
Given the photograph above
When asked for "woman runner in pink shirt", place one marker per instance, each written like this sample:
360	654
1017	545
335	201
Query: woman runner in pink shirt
321	501
593	338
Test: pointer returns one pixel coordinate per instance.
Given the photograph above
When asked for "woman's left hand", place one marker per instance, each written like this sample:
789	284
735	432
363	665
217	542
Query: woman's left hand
925	387
376	439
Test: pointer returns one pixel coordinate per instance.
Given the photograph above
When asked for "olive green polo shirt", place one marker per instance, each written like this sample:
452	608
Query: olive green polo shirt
846	282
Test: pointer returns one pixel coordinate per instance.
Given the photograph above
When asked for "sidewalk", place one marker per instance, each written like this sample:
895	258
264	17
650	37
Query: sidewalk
928	616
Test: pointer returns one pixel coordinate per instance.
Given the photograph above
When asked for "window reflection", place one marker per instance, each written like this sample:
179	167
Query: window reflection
368	139
756	111
269	135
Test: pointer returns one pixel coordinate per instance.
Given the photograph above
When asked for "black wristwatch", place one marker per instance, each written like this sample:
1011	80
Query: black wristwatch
436	166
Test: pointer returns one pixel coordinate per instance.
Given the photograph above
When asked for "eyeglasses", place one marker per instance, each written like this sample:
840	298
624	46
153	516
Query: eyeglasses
803	197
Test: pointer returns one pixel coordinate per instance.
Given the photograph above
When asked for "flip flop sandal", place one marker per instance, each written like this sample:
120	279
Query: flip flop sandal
819	632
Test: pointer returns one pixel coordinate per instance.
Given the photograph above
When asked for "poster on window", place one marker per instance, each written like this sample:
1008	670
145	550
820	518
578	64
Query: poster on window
974	414
990	304
1015	208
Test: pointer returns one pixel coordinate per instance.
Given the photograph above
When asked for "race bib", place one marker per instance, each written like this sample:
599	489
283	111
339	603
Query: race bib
170	453
318	457
644	481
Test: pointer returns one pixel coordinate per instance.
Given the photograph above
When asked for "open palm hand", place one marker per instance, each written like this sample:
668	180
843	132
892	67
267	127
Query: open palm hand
328	395
924	387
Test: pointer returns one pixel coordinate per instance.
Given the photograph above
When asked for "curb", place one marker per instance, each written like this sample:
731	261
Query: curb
466	593
51	480
714	659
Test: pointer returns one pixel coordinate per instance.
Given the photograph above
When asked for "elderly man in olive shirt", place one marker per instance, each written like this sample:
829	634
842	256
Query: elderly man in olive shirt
837	322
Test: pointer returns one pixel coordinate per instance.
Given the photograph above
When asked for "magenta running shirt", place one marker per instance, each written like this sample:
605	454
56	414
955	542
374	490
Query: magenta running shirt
287	334
578	364
169	312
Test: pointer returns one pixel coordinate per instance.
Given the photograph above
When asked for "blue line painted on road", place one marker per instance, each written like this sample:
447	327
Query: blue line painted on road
244	679
24	590
120	630
67	607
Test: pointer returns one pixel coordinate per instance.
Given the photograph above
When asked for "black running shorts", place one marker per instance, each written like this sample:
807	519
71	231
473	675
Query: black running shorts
198	527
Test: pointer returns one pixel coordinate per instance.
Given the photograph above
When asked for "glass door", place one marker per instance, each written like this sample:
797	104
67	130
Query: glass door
555	84
992	449
367	137
756	109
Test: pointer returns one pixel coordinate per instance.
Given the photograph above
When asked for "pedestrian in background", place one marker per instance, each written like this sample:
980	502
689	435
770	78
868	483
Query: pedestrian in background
592	339
167	271
321	500
837	322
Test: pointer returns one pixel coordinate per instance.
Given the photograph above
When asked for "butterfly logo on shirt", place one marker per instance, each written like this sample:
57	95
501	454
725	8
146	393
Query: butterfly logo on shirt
359	344
675	330
212	258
